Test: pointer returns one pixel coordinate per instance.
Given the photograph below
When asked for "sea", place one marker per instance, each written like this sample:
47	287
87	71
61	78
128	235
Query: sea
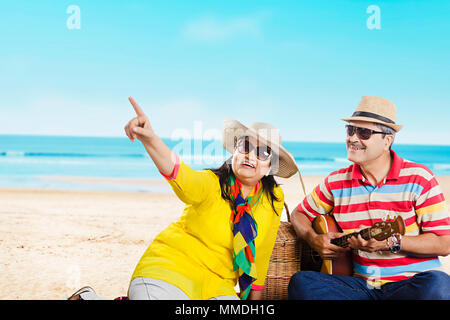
31	161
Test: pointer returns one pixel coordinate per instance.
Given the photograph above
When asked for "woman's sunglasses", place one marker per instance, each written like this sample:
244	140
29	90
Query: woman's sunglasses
244	146
362	133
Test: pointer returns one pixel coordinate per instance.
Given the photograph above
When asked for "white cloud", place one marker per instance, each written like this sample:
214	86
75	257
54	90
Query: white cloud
213	29
62	113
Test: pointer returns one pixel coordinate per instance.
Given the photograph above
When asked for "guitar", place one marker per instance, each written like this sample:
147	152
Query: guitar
343	265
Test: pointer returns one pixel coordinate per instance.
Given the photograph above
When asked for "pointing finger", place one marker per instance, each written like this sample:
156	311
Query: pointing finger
136	107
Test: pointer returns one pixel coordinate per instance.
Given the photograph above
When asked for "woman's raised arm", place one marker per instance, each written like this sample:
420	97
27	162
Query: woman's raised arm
139	128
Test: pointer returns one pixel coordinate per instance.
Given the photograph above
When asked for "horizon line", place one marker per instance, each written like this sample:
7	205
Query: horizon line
168	138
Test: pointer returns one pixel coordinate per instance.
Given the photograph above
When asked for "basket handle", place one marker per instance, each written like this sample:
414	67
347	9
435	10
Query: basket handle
287	212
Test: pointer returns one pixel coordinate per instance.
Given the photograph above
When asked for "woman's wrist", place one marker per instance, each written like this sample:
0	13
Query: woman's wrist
151	141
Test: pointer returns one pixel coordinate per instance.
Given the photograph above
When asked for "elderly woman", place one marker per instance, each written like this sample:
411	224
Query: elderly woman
229	224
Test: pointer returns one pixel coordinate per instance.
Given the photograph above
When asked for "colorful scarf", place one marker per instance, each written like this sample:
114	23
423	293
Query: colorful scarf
245	231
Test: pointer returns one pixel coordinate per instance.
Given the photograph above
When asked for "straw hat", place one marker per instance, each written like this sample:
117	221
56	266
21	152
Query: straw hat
376	109
268	135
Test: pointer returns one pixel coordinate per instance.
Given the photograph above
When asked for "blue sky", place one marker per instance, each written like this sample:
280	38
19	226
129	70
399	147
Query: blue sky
300	65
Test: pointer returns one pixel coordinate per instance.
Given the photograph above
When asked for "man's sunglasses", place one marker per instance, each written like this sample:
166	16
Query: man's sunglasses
244	146
362	133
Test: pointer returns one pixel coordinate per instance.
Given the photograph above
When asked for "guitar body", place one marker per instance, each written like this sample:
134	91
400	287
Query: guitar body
311	259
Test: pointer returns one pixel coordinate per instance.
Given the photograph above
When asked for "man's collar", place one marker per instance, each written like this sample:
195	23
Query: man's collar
356	172
397	163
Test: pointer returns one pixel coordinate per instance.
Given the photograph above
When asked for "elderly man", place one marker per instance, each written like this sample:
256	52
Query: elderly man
378	184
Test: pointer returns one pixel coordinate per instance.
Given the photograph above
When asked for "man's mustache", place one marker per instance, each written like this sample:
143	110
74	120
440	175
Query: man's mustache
351	144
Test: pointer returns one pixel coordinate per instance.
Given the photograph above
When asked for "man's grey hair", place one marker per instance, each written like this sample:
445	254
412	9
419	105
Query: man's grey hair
386	130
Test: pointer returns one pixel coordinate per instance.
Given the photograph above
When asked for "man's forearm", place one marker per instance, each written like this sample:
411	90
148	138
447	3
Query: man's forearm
427	244
302	225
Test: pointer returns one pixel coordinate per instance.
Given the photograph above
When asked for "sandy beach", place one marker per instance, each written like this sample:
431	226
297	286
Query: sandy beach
53	242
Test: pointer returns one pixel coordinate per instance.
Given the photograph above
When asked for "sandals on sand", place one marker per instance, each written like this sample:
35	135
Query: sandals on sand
91	295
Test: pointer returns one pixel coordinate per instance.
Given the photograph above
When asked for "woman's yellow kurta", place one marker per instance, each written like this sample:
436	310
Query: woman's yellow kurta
196	252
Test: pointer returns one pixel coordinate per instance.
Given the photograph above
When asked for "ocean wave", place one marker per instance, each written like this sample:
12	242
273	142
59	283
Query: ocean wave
71	154
320	159
341	160
187	157
442	166
12	153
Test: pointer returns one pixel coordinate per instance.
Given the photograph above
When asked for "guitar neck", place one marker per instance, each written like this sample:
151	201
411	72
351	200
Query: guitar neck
343	241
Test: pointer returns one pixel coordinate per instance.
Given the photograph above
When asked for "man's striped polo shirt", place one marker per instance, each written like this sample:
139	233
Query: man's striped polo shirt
410	190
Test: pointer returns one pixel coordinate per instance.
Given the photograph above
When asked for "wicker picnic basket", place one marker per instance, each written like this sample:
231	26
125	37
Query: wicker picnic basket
284	262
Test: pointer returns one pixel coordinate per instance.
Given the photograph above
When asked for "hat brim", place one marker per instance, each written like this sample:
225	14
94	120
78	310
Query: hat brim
396	127
233	130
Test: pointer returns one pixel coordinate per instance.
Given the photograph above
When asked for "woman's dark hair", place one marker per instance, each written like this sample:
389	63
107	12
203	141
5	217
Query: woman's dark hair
224	172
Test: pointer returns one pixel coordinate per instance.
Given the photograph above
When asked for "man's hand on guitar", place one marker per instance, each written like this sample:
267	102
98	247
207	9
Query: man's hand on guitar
322	244
371	245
